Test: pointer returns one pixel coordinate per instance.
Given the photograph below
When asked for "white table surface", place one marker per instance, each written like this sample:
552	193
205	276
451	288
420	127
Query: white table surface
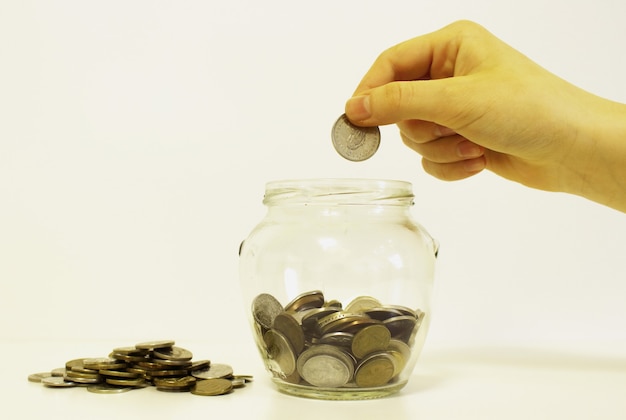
449	382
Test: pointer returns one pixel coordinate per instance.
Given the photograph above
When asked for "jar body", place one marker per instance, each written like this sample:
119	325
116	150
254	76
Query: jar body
339	278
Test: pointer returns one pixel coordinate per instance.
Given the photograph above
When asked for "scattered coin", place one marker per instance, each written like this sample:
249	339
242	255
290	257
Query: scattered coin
215	371
353	142
156	363
37	377
211	387
57	382
173	353
157	344
107	389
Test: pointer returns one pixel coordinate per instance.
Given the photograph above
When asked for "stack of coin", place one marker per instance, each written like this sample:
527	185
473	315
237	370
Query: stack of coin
320	343
158	363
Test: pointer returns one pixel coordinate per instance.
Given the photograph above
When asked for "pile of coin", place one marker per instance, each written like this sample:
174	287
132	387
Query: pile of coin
153	363
311	341
353	142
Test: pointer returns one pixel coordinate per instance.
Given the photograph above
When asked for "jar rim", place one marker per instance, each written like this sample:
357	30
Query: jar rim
339	191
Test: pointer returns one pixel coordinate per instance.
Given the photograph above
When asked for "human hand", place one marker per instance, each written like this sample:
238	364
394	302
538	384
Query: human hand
467	101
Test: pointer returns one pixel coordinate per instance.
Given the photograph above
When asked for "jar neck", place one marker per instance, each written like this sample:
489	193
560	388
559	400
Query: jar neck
339	192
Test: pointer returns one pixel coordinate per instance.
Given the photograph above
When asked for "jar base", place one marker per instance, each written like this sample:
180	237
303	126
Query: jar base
319	393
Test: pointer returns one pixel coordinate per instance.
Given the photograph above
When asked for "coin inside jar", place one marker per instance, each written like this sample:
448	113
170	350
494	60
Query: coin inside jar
325	366
353	142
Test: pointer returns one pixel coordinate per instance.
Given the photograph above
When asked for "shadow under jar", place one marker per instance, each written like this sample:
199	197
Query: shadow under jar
337	279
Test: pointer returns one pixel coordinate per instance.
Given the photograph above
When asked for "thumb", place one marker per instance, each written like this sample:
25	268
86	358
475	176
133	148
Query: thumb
429	100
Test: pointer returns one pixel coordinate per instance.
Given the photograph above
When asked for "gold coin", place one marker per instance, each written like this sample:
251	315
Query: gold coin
401	353
125	381
369	340
405	310
375	370
342	323
108	389
280	352
74	363
128	358
211	387
74	374
332	317
37	377
383	313
58	372
152	345
310	318
173	353
102	363
118	373
168	372
401	327
57	382
131	351
183	382
307	300
287	325
362	303
356	325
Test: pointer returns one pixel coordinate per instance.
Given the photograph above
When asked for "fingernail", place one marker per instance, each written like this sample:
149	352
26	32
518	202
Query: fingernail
467	149
358	108
474	165
442	131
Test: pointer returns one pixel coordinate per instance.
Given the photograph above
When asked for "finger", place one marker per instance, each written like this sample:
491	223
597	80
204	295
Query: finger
429	56
456	170
420	131
443	101
446	149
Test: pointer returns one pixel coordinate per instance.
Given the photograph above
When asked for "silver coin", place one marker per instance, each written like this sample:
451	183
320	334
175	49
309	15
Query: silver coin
215	371
325	366
37	377
57	382
108	389
265	308
353	142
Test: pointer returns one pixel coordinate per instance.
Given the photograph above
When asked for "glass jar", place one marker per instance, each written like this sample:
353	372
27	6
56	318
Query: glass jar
338	278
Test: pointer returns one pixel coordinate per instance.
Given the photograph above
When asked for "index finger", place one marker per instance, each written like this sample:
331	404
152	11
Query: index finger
429	56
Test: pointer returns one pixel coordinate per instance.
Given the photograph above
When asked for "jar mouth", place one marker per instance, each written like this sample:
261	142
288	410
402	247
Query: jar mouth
351	191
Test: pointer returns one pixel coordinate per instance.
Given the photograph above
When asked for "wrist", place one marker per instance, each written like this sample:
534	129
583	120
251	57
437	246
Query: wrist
600	164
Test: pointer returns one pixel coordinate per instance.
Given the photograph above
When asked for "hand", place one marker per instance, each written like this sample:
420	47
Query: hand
466	101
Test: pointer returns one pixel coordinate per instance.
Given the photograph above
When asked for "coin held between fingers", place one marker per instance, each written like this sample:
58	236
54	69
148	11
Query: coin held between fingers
359	107
353	142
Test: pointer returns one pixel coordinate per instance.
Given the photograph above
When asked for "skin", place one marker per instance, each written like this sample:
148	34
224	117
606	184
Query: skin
466	101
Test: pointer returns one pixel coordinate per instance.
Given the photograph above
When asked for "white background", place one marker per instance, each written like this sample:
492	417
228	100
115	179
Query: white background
136	138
